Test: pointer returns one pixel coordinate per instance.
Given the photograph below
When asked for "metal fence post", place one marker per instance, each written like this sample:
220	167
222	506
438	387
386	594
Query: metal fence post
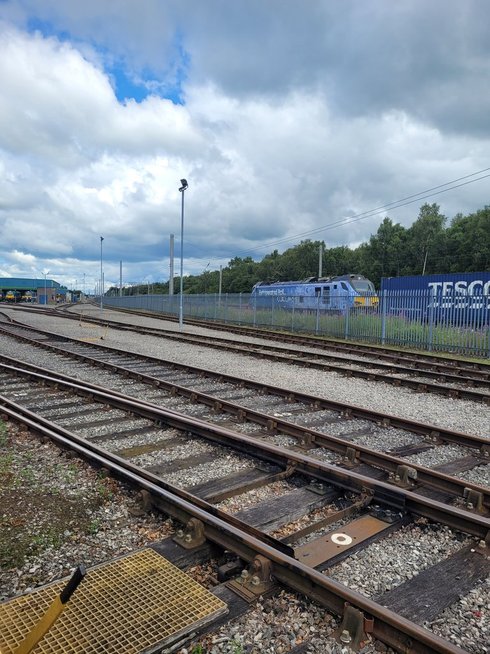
347	313
431	324
488	341
317	321
383	318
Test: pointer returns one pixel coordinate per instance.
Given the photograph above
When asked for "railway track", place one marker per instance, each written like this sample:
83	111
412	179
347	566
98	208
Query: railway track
410	358
405	452
455	378
346	511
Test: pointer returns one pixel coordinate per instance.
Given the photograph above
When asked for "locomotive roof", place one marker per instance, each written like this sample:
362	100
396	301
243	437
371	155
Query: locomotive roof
314	280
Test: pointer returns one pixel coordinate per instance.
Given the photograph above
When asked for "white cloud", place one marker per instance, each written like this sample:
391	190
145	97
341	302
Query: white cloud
75	163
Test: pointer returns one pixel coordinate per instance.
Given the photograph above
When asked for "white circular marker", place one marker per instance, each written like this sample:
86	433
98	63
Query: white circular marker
341	539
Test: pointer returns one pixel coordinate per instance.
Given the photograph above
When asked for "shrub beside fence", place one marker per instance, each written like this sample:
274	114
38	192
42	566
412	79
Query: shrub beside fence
412	319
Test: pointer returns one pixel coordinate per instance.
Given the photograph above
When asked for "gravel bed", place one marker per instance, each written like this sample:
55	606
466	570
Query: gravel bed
479	475
439	455
282	440
386	439
275	626
400	556
70	514
222	467
342	426
317	416
322	454
178	451
235	392
104	414
101	430
472	611
15	387
69	411
251	428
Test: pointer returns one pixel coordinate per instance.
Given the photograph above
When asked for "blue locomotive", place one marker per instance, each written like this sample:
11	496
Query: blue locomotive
329	294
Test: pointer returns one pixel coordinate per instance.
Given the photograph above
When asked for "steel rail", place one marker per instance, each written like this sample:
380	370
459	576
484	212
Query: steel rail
442	362
390	628
385	353
362	454
347	480
344	408
308	360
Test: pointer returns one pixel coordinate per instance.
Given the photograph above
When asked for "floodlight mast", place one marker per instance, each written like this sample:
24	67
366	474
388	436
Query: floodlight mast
101	278
184	186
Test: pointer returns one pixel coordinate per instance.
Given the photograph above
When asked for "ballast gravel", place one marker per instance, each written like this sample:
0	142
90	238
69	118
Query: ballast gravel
479	475
69	514
383	565
438	456
386	439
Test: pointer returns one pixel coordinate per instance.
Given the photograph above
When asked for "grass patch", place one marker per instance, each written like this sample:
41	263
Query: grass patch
42	500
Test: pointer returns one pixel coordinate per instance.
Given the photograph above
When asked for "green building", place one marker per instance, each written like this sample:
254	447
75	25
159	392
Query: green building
21	289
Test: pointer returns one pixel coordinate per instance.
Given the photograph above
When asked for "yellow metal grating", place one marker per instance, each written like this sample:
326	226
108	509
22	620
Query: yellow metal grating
128	606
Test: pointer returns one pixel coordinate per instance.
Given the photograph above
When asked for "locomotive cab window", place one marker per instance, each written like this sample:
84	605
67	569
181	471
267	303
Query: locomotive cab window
344	286
326	292
318	290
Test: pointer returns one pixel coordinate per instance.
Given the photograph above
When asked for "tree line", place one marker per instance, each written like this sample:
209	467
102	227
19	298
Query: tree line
430	245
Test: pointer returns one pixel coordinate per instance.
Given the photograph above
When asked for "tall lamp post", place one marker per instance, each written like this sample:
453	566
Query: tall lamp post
46	288
101	278
182	189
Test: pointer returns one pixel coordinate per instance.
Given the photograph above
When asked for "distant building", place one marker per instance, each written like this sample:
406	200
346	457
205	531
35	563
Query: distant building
43	291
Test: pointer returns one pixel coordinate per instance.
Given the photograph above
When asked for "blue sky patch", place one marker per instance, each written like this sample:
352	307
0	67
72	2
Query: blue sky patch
138	86
47	29
125	87
128	84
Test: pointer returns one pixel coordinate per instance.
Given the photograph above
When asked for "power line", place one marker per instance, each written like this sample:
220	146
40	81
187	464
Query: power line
367	214
396	204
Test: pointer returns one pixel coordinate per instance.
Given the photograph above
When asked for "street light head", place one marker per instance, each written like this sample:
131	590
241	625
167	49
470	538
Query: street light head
184	185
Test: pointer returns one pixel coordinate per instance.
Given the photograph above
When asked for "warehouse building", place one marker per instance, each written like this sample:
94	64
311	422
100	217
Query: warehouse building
42	291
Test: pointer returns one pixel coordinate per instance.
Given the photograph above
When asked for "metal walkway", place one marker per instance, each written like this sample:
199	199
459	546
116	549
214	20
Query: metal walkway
138	604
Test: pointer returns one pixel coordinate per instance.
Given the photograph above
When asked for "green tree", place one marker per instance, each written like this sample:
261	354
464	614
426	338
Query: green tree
468	243
383	255
425	241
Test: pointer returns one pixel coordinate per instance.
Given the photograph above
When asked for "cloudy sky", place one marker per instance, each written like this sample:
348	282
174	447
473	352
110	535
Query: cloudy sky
290	119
